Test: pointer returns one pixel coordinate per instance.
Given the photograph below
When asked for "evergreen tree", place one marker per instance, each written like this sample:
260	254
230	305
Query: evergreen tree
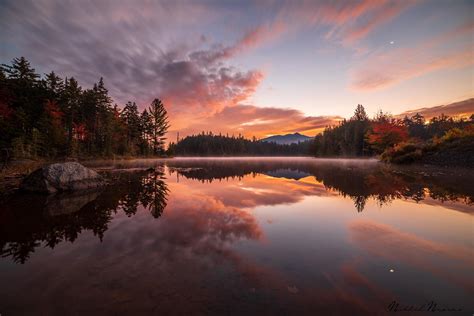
54	117
21	70
146	131
70	101
54	85
359	114
131	118
159	125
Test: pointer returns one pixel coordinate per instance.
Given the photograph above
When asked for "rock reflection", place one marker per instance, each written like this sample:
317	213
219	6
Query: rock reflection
28	221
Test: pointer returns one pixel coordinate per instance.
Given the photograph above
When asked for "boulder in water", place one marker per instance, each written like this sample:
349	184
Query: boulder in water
58	177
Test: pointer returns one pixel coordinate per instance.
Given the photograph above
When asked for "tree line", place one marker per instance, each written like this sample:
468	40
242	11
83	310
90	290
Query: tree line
209	144
385	135
22	231
54	117
360	136
48	116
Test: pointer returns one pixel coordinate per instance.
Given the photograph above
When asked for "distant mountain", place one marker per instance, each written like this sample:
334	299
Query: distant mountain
286	139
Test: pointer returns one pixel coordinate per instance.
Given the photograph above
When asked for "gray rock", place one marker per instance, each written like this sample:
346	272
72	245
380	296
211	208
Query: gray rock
58	177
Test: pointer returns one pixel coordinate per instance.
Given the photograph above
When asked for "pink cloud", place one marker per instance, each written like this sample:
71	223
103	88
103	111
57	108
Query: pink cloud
398	246
347	21
387	68
159	50
382	15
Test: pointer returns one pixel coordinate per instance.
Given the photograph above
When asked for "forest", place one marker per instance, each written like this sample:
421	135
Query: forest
208	144
50	117
441	140
53	117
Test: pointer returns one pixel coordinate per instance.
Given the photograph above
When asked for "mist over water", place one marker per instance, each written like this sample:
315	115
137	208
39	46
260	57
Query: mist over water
242	236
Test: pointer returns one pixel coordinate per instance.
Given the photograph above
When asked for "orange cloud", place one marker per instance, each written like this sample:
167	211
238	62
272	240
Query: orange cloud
251	121
458	109
252	191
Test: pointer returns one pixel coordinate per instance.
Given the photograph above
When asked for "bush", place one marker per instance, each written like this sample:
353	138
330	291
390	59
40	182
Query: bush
403	153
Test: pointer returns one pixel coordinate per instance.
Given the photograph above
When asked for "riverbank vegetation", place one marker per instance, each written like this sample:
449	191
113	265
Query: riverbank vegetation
442	140
51	117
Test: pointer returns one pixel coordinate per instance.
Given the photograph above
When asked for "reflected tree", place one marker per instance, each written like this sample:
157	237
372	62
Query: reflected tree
358	181
154	193
23	230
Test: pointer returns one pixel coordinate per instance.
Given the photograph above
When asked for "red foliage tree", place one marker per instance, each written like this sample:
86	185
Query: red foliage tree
386	134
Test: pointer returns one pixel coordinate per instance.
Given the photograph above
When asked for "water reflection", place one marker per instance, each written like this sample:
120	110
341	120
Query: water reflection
241	237
28	220
358	180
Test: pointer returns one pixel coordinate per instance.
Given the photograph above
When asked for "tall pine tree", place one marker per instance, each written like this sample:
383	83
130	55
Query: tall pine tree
160	125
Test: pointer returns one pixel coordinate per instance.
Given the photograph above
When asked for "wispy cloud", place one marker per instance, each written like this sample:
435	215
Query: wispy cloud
378	16
174	51
139	51
347	21
388	67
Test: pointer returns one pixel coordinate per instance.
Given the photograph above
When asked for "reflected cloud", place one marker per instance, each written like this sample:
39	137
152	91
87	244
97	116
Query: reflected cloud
358	180
211	249
397	246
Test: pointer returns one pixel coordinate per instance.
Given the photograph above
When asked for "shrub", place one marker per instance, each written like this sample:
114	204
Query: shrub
403	153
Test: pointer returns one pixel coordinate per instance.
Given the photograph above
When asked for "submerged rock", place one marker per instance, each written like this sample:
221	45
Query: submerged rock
68	176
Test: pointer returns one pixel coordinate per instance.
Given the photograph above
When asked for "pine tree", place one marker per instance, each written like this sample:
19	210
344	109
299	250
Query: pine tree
54	86
21	70
131	118
70	100
160	125
146	130
359	113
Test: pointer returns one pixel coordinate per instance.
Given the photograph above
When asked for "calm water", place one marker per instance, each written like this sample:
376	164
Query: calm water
243	236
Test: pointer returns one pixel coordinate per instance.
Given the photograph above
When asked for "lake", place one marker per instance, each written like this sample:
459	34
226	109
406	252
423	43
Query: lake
238	236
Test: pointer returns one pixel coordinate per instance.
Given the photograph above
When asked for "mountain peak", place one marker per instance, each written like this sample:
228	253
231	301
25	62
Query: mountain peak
287	139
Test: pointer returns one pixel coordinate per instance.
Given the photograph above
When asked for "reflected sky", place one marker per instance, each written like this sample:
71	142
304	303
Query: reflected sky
246	236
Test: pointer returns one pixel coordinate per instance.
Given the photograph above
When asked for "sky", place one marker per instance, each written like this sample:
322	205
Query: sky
257	68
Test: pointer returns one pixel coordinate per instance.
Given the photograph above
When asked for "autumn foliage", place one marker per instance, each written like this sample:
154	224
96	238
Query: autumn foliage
441	140
387	134
53	117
